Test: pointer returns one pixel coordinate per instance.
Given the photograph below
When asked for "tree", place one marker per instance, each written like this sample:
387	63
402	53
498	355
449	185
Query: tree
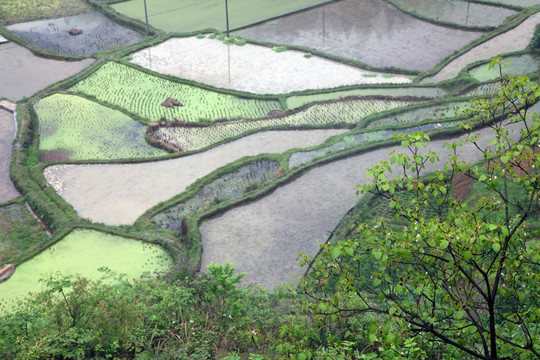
463	273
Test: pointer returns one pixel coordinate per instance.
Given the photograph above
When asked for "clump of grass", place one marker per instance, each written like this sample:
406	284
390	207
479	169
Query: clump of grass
201	36
212	36
279	48
308	55
388	76
369	75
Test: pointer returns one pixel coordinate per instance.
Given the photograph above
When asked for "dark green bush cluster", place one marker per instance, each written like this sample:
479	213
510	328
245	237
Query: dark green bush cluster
534	45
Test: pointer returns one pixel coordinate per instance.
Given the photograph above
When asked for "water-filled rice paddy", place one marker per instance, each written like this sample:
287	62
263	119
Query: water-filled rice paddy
74	128
142	94
7	133
296	101
328	114
371	31
23	73
252	68
519	65
84	252
349	141
99	34
264	238
457	11
19	233
118	194
432	112
191	15
227	187
513	40
523	3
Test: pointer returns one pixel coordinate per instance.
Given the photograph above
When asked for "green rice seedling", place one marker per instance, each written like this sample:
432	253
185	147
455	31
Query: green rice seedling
330	114
227	187
279	48
75	128
142	94
435	112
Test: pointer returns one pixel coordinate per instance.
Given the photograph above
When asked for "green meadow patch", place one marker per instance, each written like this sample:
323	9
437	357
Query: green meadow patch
75	128
20	233
142	94
15	11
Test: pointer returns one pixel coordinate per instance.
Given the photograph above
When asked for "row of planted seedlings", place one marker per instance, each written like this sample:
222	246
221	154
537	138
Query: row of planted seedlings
251	178
511	23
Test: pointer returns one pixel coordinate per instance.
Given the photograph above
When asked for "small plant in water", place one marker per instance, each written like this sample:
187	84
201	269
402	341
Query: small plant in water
201	36
369	75
308	55
279	48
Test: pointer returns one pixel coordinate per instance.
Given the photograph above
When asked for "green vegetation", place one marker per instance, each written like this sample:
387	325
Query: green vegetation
298	101
332	114
83	252
516	65
192	15
419	114
74	128
141	93
19	232
229	186
463	274
16	11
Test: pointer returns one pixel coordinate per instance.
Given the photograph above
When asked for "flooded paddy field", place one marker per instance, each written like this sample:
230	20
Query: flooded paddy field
297	101
191	15
99	33
265	237
23	73
117	194
7	134
74	128
519	65
252	68
370	31
84	252
457	11
515	39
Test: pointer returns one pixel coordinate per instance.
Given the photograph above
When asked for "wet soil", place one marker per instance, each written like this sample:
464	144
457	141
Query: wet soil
22	74
7	133
252	68
265	237
99	33
512	40
119	194
370	31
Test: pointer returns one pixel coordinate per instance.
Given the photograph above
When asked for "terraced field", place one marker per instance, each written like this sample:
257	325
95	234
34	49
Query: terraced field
253	68
22	72
121	193
518	65
142	94
334	114
370	31
74	128
457	12
512	40
99	33
227	187
84	251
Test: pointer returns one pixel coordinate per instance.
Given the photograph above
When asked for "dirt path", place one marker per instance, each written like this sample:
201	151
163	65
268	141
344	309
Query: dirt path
512	40
119	194
265	237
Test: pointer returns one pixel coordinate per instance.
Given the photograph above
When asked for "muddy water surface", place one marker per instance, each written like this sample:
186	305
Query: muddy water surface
265	237
370	31
119	194
7	133
99	33
512	40
22	73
